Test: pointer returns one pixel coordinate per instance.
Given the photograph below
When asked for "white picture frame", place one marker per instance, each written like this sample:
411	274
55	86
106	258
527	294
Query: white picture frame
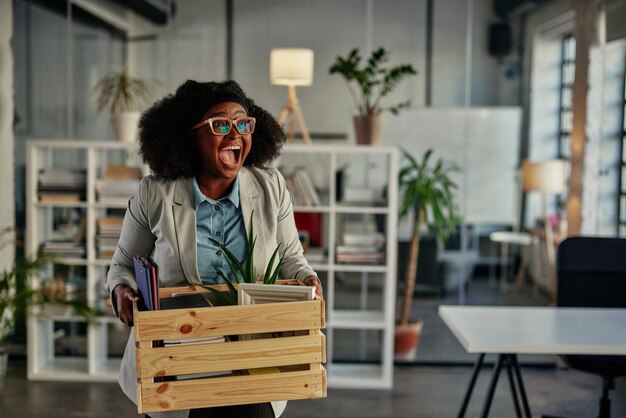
258	293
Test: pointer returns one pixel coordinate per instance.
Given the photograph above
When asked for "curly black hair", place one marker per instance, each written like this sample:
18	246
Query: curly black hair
165	137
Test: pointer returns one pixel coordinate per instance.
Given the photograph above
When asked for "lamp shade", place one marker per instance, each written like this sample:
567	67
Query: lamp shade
291	66
545	176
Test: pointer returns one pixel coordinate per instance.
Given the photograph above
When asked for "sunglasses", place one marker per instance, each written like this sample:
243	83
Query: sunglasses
222	126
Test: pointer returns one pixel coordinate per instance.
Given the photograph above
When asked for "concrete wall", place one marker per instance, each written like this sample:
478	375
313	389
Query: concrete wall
7	199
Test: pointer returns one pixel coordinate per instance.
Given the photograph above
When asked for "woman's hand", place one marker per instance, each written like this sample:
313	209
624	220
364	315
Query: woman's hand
314	281
125	296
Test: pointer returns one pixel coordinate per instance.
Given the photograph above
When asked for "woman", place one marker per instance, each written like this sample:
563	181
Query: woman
207	146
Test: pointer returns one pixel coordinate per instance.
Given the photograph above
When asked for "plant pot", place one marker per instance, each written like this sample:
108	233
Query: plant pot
367	129
406	340
4	361
125	126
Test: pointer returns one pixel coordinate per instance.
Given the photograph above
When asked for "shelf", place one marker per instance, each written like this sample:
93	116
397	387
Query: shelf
360	268
61	204
69	261
312	209
375	210
357	319
358	376
108	370
102	262
75	369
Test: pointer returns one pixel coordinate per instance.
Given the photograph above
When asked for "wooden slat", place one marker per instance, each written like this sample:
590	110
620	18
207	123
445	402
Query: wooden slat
228	320
232	390
212	357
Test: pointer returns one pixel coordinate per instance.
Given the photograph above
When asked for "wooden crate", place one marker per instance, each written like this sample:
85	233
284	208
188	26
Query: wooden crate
298	352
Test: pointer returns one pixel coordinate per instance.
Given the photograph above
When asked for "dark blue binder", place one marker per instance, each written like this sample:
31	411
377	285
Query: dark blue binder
144	282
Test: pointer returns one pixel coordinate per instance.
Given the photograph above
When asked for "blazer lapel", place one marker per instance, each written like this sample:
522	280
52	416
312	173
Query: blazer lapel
251	206
185	224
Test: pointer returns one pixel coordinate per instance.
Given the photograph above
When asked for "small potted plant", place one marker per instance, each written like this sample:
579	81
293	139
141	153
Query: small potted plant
123	94
427	191
374	82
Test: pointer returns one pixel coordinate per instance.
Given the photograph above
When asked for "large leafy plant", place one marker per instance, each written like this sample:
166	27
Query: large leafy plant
247	273
121	92
373	80
428	192
17	294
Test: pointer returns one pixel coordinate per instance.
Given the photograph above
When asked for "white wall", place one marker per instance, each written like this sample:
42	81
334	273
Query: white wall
7	197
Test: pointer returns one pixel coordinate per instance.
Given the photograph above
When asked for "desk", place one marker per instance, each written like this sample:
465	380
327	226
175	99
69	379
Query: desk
508	331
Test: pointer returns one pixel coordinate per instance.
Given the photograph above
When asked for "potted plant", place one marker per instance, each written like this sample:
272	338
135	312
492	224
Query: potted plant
16	294
427	191
123	94
374	82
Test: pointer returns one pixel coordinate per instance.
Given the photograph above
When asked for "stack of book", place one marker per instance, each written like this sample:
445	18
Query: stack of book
64	249
109	230
301	187
118	184
361	248
61	185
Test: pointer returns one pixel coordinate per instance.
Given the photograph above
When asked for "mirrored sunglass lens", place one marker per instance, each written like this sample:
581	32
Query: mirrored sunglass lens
245	126
221	126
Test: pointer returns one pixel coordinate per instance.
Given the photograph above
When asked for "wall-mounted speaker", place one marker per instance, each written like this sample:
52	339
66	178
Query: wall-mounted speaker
500	39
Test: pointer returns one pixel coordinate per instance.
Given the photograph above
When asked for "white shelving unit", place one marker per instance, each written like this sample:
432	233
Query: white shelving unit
322	162
372	281
90	361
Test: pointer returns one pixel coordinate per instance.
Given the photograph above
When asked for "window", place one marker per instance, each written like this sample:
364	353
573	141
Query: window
568	66
621	201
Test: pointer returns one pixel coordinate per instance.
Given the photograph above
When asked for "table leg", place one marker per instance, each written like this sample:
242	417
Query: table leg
470	388
492	386
520	385
509	371
504	266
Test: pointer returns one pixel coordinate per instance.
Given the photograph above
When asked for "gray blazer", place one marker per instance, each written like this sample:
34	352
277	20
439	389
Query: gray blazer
161	221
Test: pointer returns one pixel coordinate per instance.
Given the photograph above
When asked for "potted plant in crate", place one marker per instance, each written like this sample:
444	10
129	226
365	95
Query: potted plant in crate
374	82
16	294
123	94
427	191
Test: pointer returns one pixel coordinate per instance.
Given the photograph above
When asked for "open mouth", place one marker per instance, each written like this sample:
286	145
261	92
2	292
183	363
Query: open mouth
230	155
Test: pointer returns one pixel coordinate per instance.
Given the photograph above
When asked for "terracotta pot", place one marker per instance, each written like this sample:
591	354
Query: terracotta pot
367	129
407	339
125	126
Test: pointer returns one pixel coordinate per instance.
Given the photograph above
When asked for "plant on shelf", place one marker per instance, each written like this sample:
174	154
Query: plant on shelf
245	274
428	192
123	94
373	82
16	294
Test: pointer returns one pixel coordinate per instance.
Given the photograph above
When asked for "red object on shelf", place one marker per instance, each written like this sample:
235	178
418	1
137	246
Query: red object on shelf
310	222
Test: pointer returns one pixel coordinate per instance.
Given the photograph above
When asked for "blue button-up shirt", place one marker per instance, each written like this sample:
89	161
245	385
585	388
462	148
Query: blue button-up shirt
222	220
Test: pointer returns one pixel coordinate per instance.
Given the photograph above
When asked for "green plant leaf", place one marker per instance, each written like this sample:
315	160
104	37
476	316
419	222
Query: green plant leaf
223	295
231	287
268	272
235	265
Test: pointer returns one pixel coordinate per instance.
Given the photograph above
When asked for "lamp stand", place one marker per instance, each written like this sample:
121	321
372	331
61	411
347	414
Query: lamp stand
292	112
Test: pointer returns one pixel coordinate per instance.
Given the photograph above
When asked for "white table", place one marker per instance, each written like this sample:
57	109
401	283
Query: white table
505	239
508	331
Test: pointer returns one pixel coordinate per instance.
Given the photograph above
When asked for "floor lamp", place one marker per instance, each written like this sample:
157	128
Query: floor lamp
549	178
292	67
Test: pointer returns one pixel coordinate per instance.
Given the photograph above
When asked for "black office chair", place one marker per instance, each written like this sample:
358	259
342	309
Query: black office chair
591	273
